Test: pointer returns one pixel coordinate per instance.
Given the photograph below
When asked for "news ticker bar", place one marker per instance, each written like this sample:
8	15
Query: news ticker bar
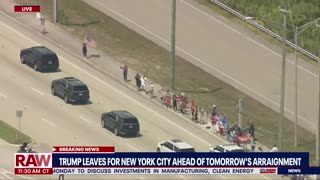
26	8
154	159
130	171
166	171
83	149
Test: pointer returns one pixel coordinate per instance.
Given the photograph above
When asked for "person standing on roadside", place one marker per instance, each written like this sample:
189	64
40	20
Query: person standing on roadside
84	51
125	72
174	102
138	81
252	143
251	128
43	26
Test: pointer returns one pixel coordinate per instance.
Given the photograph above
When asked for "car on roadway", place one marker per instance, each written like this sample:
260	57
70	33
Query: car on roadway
174	145
70	89
226	148
40	58
121	122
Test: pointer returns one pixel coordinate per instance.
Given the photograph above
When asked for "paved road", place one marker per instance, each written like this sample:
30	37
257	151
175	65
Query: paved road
48	119
222	48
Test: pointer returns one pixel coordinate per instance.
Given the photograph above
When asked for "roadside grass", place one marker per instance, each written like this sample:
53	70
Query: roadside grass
146	57
254	30
9	134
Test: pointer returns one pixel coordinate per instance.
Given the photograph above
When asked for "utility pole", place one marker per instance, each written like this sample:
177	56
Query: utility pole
173	46
296	89
55	10
283	75
318	124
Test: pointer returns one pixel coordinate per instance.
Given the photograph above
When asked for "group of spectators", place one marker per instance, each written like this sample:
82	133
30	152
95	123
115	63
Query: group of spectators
143	84
179	103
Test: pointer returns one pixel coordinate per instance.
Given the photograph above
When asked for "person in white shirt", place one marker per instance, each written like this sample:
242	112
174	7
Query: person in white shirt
274	149
143	84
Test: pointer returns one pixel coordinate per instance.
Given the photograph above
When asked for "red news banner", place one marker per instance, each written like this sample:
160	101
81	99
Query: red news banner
41	163
26	8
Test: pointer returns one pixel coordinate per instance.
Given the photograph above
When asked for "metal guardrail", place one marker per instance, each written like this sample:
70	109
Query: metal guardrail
262	28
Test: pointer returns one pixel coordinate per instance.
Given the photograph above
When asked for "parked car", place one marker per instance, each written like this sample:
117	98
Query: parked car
174	145
121	122
226	148
40	58
70	89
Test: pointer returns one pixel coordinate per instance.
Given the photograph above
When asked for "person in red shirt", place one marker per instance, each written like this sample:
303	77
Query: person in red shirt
193	106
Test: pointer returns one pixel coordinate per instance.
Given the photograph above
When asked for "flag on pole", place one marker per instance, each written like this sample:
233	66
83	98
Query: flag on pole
89	41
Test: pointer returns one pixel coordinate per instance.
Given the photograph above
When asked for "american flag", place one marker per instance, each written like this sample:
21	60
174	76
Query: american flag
89	41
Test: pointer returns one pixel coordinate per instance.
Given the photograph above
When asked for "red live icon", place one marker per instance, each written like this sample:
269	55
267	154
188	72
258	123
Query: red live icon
26	8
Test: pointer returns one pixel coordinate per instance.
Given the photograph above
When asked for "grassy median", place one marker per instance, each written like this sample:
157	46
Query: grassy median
143	55
12	135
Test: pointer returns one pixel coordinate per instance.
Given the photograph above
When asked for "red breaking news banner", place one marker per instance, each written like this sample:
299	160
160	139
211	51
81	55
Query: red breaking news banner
26	8
83	149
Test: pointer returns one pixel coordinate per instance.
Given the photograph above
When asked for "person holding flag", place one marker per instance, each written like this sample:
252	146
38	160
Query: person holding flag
88	41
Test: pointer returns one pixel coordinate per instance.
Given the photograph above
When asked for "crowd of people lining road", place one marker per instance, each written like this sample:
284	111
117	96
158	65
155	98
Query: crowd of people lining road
214	120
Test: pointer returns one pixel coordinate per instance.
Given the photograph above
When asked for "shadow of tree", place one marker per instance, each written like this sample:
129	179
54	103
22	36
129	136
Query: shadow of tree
199	91
82	24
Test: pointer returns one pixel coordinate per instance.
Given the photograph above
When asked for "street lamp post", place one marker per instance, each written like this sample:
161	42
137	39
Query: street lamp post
297	31
283	76
55	11
173	46
296	89
318	122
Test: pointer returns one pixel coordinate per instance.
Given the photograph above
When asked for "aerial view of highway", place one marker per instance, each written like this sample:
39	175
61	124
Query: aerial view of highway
102	73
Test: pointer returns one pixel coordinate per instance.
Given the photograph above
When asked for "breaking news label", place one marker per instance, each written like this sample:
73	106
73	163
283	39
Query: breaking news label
26	8
104	160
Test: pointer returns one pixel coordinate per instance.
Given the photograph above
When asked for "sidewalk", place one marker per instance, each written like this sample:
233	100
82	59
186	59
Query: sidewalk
98	60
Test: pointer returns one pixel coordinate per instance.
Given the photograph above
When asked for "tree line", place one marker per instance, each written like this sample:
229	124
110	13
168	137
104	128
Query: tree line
267	13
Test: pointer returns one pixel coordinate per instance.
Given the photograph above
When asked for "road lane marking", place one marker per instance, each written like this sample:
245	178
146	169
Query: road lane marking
215	69
130	146
6	176
110	86
9	172
86	120
2	95
182	177
37	91
113	88
247	37
48	122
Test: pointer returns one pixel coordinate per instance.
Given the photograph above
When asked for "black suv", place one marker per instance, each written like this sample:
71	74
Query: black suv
121	122
71	89
40	58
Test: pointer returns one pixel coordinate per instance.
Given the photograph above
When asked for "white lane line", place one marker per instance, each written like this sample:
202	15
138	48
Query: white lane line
6	176
2	95
37	91
215	69
264	176
86	120
9	172
113	88
247	37
48	122
130	146
182	177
